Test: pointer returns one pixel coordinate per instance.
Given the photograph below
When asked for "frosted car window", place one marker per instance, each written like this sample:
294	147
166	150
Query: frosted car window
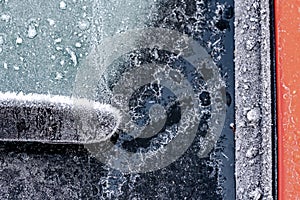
164	65
43	42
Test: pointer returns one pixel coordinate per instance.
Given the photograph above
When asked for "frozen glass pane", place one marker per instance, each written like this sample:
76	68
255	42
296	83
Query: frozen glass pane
97	49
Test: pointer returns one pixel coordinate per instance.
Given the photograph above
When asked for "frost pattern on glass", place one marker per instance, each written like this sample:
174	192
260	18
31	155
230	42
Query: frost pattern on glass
41	47
153	70
42	42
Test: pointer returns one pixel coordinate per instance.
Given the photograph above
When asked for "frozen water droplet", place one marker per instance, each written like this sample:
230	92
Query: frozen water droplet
58	76
5	17
58	48
231	125
32	25
253	115
83	25
251	152
250	44
19	40
62	5
31	31
51	22
62	62
5	66
1	50
73	56
58	40
16	68
78	44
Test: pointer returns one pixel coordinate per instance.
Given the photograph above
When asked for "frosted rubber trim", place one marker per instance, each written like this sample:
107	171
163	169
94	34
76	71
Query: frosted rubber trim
253	98
55	119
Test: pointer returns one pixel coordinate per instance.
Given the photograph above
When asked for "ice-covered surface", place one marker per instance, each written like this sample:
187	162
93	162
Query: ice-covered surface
39	53
254	177
43	44
55	119
174	81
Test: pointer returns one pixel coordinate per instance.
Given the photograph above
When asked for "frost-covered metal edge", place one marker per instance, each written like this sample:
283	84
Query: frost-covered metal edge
253	100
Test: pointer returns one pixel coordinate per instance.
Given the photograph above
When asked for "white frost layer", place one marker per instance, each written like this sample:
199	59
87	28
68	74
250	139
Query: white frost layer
60	101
